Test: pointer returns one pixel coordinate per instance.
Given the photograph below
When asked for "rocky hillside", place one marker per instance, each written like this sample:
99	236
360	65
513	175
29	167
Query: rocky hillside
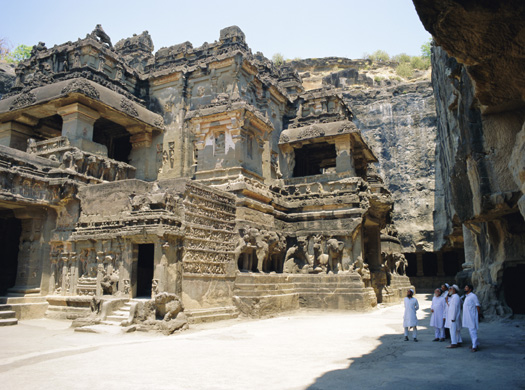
397	117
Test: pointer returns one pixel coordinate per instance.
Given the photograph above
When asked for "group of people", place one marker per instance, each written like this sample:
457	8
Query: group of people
449	311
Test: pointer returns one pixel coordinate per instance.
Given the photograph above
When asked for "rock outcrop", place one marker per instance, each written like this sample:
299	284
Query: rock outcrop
7	77
480	171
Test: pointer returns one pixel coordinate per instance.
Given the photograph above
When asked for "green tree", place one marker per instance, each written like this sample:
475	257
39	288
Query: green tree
379	56
403	57
425	48
421	63
405	70
20	53
278	59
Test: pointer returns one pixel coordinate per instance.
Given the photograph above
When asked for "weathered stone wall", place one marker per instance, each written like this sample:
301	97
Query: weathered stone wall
479	155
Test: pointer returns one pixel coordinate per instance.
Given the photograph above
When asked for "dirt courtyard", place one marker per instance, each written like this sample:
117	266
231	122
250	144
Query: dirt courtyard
301	350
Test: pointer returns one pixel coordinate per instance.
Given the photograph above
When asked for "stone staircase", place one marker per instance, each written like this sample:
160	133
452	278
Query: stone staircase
25	307
118	316
199	316
7	316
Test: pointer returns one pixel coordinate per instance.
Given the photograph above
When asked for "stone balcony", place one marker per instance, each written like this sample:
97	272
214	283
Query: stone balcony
94	167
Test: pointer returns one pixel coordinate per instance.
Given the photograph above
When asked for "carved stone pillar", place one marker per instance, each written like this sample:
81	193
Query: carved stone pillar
31	253
419	258
440	268
141	141
344	161
78	121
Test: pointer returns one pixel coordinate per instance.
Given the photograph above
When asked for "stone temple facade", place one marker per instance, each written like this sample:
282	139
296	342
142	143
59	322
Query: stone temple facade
203	176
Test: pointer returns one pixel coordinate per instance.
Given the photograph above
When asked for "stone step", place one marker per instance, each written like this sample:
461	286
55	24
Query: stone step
116	319
22	299
121	312
4	314
4	307
8	321
263	294
110	322
211	314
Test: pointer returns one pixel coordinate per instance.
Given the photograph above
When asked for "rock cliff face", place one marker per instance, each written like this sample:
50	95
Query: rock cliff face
398	119
480	168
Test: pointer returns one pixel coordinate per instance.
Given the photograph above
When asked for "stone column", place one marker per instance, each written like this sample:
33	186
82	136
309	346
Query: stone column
419	258
31	252
78	121
77	126
440	268
141	141
344	161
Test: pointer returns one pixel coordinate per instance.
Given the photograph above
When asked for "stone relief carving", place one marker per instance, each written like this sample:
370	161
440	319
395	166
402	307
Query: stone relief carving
81	86
127	106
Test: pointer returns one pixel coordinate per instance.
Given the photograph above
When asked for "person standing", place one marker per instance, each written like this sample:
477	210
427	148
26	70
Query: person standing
453	321
410	317
471	312
437	318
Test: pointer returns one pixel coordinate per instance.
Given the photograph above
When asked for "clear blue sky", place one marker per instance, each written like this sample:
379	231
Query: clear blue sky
302	29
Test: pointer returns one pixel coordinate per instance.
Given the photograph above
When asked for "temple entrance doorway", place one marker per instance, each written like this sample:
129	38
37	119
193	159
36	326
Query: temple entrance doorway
10	230
144	274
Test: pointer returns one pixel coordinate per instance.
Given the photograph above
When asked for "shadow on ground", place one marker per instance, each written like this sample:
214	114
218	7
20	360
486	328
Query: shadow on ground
397	364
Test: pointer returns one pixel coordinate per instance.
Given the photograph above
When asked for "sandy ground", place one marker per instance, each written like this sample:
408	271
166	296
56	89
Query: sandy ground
304	350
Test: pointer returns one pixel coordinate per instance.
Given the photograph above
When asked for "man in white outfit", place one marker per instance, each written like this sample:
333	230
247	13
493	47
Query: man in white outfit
437	320
453	321
410	317
471	310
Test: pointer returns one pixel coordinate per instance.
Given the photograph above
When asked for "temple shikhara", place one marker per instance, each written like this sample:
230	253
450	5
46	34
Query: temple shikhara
189	184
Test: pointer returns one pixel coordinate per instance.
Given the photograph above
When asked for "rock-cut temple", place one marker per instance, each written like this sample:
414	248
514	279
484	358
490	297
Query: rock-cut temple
205	173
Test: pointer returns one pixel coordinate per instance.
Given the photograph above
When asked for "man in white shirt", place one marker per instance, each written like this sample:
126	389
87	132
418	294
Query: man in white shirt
453	321
471	311
437	318
410	317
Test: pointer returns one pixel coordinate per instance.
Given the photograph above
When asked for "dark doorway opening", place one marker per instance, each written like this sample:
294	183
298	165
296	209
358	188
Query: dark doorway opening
512	287
429	264
145	269
115	137
314	159
10	229
412	264
452	262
